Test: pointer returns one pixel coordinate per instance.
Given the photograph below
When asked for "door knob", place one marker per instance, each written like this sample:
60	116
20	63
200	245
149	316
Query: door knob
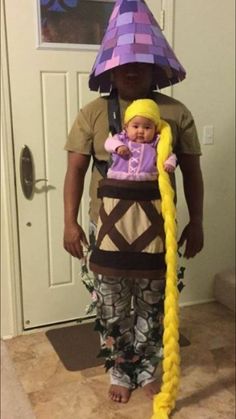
27	172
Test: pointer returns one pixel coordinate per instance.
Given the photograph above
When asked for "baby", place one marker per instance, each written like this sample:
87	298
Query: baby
134	150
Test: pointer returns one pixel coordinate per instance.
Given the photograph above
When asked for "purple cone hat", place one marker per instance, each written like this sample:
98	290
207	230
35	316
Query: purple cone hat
133	35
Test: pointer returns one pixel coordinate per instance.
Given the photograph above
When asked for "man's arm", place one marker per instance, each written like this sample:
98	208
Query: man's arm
74	235
193	190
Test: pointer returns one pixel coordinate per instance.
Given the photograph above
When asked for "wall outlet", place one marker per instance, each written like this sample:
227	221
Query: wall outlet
208	134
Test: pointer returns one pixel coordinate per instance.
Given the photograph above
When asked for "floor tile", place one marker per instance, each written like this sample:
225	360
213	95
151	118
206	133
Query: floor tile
207	384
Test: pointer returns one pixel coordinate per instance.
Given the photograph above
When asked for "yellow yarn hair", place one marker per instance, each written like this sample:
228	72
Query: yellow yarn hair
146	108
164	402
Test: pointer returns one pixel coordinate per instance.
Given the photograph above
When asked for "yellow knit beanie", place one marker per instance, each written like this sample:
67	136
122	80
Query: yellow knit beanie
143	107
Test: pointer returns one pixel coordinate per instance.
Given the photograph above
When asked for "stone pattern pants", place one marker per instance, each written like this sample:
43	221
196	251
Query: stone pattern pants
131	340
131	344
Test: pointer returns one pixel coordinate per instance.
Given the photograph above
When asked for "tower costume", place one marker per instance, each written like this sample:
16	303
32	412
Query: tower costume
133	349
137	253
133	35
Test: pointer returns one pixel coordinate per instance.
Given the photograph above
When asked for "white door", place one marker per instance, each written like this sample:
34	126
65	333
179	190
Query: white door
48	86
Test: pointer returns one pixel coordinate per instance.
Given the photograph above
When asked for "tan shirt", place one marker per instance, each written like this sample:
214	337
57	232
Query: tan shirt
90	130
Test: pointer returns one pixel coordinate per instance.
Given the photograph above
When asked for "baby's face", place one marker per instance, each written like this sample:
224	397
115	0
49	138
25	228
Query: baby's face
140	129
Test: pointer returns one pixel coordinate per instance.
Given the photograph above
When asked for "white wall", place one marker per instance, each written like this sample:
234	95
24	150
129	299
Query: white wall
204	43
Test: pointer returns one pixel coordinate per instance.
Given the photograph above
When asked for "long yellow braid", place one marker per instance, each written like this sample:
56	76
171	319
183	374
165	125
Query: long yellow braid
164	402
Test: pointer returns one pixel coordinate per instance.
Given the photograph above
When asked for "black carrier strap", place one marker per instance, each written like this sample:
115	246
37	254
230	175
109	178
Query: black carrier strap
114	122
114	118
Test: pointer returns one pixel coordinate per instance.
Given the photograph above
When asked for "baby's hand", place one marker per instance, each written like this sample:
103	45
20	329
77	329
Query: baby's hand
169	168
122	150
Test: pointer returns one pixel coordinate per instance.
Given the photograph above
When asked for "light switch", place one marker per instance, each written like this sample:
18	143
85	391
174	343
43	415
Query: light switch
208	134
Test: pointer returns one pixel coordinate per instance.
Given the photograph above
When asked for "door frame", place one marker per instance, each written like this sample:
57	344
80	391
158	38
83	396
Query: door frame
11	312
11	294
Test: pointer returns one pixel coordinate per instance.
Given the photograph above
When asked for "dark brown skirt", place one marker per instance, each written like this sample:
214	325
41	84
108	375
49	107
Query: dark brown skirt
130	231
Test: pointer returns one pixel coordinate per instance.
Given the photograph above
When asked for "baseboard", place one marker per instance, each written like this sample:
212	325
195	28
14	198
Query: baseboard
196	302
7	337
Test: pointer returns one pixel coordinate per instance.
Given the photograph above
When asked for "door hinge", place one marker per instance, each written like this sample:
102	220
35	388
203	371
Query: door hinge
162	20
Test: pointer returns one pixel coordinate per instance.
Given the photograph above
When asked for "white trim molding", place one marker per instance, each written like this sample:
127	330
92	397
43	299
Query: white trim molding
11	304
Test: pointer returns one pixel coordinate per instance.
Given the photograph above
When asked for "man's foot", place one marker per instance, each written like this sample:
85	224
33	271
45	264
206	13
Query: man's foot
151	389
119	394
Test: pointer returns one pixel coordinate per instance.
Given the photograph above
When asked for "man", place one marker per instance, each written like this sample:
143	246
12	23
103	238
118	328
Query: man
132	80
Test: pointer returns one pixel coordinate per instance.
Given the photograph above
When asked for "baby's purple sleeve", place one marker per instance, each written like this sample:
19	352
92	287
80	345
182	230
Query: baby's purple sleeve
172	160
112	143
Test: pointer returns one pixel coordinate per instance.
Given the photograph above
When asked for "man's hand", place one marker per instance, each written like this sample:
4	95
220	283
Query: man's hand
74	236
74	240
192	235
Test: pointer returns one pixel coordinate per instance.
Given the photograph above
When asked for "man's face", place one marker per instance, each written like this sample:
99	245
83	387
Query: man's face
134	80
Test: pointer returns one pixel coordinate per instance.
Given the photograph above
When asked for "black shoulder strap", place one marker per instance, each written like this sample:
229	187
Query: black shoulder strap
114	118
114	123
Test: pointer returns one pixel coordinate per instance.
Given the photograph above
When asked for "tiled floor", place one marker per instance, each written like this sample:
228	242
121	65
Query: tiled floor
207	383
